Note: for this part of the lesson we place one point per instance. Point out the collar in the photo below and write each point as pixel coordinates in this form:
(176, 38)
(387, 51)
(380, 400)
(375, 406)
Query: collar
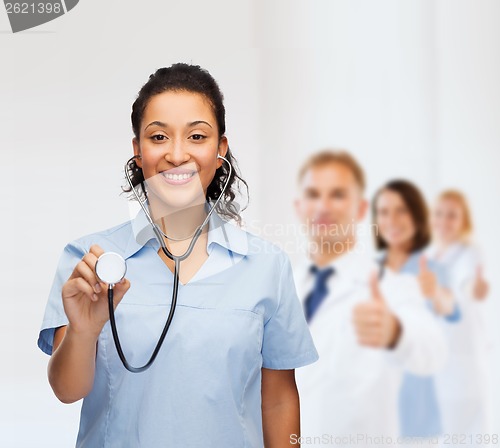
(410, 265)
(354, 266)
(351, 272)
(220, 232)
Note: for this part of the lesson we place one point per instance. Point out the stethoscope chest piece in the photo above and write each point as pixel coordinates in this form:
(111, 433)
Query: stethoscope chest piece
(110, 268)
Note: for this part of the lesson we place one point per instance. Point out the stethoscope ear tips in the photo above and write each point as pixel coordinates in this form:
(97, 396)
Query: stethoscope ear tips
(110, 268)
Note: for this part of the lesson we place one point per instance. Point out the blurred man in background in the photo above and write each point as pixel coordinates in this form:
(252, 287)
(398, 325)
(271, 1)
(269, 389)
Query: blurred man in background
(368, 328)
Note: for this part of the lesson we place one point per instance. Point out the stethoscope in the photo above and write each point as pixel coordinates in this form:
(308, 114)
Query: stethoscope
(111, 269)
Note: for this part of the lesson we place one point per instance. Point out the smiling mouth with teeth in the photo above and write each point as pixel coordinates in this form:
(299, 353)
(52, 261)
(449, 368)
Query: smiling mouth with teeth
(178, 176)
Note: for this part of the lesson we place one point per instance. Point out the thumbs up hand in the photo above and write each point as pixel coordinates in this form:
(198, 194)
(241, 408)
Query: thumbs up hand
(374, 323)
(427, 280)
(480, 287)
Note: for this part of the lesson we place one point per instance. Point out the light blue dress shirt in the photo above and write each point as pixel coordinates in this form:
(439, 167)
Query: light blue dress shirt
(239, 313)
(418, 405)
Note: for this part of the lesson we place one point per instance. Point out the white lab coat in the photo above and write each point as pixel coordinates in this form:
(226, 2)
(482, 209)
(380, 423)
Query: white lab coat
(463, 386)
(352, 391)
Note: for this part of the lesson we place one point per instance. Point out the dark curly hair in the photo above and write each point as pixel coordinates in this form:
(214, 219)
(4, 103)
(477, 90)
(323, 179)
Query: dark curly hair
(190, 78)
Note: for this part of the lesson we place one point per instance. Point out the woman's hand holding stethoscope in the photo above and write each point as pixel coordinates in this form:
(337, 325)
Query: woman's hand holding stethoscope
(85, 296)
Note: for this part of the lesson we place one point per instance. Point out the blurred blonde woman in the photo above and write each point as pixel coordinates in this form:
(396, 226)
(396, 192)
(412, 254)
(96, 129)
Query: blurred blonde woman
(463, 386)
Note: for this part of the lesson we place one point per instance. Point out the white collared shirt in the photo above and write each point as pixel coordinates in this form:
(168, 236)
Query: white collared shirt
(353, 390)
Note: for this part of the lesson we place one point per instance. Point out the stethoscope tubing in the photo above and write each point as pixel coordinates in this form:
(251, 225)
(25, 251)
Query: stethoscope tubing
(156, 230)
(175, 290)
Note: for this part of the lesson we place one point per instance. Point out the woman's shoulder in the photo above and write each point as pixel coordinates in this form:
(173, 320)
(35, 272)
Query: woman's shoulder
(114, 239)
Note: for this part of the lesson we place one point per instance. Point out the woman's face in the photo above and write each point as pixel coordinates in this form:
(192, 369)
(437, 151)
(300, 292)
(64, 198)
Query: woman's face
(394, 221)
(179, 143)
(447, 220)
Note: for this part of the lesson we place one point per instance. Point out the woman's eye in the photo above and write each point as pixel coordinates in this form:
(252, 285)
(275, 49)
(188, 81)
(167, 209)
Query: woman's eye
(197, 137)
(159, 137)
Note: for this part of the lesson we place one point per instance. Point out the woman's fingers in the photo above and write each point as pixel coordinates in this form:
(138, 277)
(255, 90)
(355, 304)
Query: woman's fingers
(119, 291)
(86, 269)
(77, 286)
(84, 278)
(96, 250)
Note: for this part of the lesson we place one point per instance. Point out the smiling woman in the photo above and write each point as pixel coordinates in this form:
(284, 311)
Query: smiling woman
(177, 151)
(402, 219)
(207, 98)
(225, 376)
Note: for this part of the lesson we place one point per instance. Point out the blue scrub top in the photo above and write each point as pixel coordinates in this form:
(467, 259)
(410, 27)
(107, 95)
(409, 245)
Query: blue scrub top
(239, 313)
(418, 404)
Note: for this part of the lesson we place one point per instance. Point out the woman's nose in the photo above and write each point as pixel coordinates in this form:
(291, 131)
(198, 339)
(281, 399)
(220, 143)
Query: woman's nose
(176, 154)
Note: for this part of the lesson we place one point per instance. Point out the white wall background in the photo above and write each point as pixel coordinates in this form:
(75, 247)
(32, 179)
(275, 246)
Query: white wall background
(411, 88)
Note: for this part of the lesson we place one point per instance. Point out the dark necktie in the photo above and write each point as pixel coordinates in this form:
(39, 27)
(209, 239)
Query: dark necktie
(319, 292)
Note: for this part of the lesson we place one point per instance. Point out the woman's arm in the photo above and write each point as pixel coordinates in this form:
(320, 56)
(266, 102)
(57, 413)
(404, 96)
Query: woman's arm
(280, 408)
(72, 364)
